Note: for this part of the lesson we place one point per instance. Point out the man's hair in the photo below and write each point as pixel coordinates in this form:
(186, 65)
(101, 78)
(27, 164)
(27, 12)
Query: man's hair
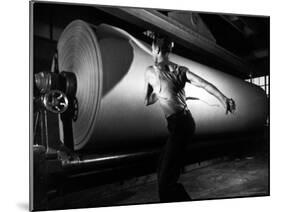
(163, 43)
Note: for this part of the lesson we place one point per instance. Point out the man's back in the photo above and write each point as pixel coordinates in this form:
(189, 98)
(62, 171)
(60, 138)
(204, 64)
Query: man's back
(168, 82)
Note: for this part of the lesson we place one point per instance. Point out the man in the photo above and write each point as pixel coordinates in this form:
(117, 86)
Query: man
(165, 82)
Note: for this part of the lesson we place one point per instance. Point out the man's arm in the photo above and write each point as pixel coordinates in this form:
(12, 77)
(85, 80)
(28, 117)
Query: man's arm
(150, 96)
(194, 79)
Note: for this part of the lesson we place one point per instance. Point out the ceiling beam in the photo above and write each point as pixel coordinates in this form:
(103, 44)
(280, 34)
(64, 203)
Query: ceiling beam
(154, 20)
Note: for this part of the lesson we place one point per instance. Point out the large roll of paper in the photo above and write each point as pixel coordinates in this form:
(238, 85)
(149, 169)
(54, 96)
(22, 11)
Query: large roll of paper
(110, 65)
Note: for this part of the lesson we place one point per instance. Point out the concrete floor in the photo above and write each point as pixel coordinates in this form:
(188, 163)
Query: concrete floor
(241, 176)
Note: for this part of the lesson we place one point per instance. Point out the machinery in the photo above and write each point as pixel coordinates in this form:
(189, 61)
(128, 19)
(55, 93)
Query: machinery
(89, 114)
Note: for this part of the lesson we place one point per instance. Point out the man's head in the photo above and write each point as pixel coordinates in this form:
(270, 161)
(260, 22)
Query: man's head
(161, 45)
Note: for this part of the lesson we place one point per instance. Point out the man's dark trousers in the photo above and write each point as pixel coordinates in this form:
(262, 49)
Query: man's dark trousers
(181, 127)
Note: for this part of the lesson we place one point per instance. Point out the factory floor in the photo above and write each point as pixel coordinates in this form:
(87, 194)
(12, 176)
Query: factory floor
(238, 176)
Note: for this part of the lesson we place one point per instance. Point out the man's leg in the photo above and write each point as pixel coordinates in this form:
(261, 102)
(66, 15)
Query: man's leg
(169, 169)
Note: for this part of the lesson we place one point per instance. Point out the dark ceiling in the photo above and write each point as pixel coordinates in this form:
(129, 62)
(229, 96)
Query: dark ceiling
(245, 36)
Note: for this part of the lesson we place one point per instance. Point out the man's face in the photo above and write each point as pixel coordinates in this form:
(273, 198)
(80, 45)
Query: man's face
(157, 47)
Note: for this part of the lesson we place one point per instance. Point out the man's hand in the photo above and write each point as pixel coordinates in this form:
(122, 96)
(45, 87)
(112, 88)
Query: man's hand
(230, 106)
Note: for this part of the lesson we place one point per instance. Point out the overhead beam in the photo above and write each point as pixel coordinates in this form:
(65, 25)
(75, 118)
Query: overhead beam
(154, 20)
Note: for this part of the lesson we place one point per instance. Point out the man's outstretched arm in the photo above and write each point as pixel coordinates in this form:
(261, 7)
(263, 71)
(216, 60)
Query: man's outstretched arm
(194, 79)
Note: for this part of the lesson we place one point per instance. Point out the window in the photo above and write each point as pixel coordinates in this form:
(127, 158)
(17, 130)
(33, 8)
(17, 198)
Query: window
(262, 82)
